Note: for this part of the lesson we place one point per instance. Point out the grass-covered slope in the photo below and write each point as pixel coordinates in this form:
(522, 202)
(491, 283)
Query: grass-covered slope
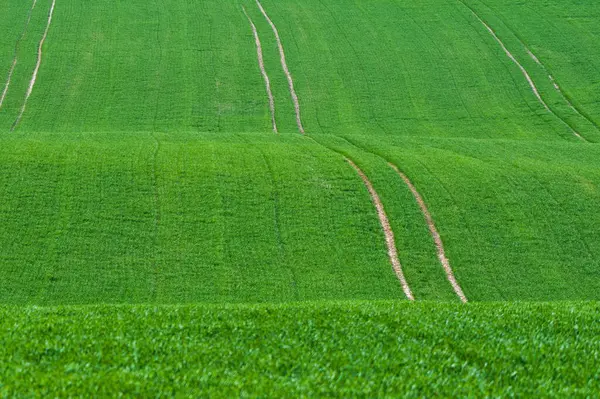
(519, 219)
(179, 218)
(380, 349)
(97, 218)
(563, 37)
(190, 197)
(425, 68)
(142, 65)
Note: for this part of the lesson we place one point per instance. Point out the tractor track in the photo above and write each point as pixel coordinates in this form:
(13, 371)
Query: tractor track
(528, 77)
(14, 61)
(285, 68)
(387, 229)
(37, 67)
(439, 245)
(263, 71)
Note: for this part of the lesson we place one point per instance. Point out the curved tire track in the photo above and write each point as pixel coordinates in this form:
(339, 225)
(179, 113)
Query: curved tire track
(523, 71)
(14, 61)
(263, 71)
(557, 86)
(285, 68)
(387, 229)
(441, 253)
(37, 67)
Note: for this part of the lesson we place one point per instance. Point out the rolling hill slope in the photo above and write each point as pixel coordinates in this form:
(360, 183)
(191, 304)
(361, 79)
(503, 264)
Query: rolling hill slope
(168, 165)
(376, 83)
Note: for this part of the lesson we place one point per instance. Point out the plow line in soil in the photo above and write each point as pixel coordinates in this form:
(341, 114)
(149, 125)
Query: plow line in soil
(37, 67)
(439, 245)
(263, 71)
(14, 61)
(387, 229)
(285, 68)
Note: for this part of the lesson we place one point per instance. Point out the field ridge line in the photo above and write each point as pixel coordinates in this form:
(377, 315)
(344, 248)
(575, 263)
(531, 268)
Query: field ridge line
(14, 61)
(37, 67)
(523, 70)
(285, 68)
(437, 239)
(387, 229)
(263, 71)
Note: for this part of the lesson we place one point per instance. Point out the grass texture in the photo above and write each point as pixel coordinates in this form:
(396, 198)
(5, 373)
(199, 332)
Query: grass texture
(383, 349)
(177, 247)
(185, 219)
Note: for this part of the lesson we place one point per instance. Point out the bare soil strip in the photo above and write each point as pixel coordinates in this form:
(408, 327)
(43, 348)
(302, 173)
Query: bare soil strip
(285, 68)
(524, 71)
(387, 229)
(261, 64)
(441, 253)
(37, 66)
(14, 61)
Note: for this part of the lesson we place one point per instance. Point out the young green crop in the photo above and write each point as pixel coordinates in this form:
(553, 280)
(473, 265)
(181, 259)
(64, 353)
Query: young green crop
(562, 38)
(518, 219)
(185, 218)
(377, 349)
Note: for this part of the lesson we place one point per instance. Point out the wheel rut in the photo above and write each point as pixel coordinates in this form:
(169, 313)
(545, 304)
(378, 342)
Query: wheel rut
(387, 230)
(37, 67)
(528, 77)
(263, 71)
(285, 68)
(15, 56)
(437, 239)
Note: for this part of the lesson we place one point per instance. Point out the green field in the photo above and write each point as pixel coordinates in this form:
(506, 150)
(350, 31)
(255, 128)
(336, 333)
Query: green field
(360, 349)
(139, 168)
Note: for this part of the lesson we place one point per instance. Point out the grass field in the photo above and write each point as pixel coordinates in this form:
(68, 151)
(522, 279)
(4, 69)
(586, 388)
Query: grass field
(383, 349)
(139, 169)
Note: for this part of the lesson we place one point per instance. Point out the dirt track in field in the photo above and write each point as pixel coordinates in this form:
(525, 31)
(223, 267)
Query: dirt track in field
(37, 67)
(556, 85)
(285, 68)
(513, 59)
(14, 61)
(524, 71)
(441, 253)
(387, 229)
(263, 71)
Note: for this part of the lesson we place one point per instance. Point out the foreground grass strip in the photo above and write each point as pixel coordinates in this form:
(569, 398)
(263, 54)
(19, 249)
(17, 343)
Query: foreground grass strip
(285, 68)
(441, 253)
(342, 349)
(14, 61)
(387, 230)
(263, 71)
(37, 67)
(523, 70)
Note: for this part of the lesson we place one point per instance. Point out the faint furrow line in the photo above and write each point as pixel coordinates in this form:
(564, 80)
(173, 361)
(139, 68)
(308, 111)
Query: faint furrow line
(263, 71)
(285, 68)
(387, 229)
(14, 61)
(523, 70)
(434, 233)
(276, 214)
(156, 202)
(37, 67)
